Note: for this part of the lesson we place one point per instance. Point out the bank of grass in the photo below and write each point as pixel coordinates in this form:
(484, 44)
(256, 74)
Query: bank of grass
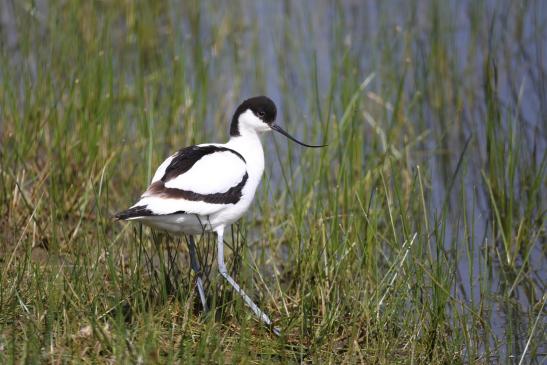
(415, 237)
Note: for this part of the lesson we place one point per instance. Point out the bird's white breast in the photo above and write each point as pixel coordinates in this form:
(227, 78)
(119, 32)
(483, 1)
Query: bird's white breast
(250, 147)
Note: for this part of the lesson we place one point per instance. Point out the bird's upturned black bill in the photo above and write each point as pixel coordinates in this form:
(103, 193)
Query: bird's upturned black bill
(277, 128)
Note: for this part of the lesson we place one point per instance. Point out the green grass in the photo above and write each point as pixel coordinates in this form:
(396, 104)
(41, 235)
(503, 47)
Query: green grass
(417, 236)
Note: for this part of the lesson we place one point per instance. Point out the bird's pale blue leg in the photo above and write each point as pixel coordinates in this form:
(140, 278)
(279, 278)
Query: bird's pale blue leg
(222, 268)
(195, 266)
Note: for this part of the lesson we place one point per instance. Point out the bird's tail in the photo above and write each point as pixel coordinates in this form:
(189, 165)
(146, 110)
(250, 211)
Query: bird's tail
(133, 212)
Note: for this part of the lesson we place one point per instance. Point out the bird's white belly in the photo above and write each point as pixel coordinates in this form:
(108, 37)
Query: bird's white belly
(196, 224)
(177, 223)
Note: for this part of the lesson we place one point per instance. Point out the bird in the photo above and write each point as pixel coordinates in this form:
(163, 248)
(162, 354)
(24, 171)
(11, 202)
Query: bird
(207, 187)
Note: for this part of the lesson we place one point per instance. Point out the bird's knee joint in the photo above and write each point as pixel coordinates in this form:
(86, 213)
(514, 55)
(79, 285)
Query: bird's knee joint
(223, 271)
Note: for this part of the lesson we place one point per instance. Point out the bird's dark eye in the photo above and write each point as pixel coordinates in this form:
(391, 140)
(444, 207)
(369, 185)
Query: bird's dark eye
(261, 113)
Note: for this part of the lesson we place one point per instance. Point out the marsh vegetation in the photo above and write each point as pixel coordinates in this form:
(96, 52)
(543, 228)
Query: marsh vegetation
(417, 236)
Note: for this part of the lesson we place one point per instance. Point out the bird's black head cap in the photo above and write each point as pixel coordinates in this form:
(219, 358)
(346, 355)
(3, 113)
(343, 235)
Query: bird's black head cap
(262, 106)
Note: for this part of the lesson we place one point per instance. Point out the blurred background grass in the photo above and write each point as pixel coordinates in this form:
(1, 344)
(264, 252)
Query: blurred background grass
(417, 236)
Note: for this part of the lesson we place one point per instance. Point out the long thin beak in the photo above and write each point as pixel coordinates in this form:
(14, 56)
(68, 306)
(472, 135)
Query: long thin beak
(277, 128)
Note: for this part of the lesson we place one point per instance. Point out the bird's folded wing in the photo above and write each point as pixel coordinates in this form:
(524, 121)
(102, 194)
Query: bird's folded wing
(196, 180)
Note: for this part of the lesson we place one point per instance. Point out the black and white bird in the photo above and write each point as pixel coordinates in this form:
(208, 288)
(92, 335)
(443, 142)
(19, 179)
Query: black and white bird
(209, 186)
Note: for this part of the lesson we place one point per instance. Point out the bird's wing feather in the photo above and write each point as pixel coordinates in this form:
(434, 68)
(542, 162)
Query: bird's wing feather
(196, 180)
(213, 173)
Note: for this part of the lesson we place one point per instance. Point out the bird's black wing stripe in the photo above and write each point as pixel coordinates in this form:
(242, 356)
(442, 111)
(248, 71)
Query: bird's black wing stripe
(232, 196)
(187, 157)
(139, 211)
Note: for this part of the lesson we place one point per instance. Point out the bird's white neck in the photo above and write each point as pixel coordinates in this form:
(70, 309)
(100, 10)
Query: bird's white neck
(248, 144)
